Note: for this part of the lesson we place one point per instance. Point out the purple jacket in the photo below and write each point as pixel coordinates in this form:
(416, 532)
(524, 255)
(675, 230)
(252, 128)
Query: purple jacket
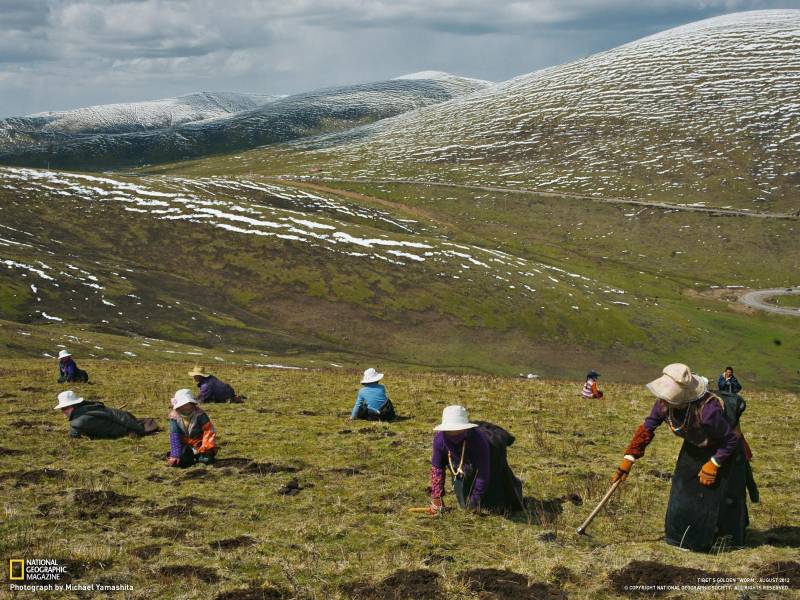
(214, 390)
(704, 426)
(66, 368)
(477, 455)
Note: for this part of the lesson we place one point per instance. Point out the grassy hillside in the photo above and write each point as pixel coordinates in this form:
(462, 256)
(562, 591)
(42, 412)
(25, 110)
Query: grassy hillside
(116, 514)
(397, 274)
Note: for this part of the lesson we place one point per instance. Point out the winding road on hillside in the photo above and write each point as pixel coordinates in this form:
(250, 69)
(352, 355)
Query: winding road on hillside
(732, 212)
(756, 299)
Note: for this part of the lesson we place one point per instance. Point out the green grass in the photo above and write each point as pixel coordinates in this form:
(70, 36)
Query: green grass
(199, 286)
(342, 528)
(787, 301)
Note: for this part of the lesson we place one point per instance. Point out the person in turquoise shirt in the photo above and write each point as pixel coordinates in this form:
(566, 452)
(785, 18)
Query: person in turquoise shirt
(372, 403)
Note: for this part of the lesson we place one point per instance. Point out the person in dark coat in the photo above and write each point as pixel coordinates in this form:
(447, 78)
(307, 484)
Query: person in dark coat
(212, 389)
(727, 382)
(707, 502)
(68, 371)
(475, 455)
(96, 421)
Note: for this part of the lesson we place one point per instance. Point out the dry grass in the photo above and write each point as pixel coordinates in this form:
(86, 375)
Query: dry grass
(347, 527)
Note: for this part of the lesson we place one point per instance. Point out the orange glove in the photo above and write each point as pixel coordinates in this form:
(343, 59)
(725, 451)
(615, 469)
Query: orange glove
(436, 508)
(708, 474)
(622, 470)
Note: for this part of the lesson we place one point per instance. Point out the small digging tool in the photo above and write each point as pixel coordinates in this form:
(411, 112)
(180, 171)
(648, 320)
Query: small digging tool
(582, 529)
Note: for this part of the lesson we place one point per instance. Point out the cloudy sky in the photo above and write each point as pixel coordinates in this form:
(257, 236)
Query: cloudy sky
(60, 54)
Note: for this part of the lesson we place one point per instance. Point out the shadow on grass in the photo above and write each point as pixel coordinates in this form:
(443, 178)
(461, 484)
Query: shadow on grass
(785, 536)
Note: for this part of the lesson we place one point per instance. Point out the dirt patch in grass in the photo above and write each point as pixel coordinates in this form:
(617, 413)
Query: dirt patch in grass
(9, 452)
(172, 533)
(267, 468)
(234, 461)
(197, 501)
(155, 478)
(308, 413)
(147, 552)
(348, 471)
(255, 593)
(25, 424)
(663, 475)
(401, 585)
(178, 571)
(195, 474)
(33, 476)
(500, 584)
(647, 573)
(236, 542)
(99, 499)
(345, 431)
(783, 570)
(545, 512)
(30, 388)
(175, 511)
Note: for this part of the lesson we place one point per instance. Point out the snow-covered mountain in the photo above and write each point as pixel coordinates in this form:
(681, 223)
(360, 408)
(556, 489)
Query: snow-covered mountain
(710, 110)
(278, 120)
(137, 116)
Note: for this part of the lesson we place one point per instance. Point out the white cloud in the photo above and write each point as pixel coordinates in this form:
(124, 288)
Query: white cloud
(66, 53)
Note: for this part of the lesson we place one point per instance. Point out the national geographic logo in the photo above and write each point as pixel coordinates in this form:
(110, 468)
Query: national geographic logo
(35, 569)
(16, 569)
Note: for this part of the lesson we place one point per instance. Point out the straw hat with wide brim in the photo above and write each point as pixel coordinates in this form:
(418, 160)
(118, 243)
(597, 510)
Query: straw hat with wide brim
(371, 376)
(198, 371)
(454, 418)
(63, 354)
(182, 397)
(677, 385)
(68, 398)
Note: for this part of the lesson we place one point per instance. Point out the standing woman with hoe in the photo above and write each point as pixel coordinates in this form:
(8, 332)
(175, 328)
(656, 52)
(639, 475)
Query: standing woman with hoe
(707, 501)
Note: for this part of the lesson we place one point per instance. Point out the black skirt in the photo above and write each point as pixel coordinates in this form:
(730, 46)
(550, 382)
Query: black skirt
(698, 515)
(504, 491)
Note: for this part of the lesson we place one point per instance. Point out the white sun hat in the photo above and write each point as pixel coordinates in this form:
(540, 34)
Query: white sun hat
(63, 354)
(371, 376)
(68, 398)
(678, 386)
(454, 418)
(182, 397)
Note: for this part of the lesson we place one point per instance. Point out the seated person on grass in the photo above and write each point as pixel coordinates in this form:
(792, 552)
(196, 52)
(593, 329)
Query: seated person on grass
(192, 437)
(211, 388)
(590, 386)
(68, 371)
(372, 403)
(96, 421)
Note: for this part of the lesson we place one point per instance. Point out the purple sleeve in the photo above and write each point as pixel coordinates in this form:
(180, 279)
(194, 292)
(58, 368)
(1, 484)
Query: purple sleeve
(439, 455)
(69, 370)
(175, 443)
(480, 455)
(720, 431)
(655, 418)
(204, 392)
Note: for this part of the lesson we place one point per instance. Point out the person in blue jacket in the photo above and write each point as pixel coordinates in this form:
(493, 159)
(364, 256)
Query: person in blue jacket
(372, 403)
(727, 382)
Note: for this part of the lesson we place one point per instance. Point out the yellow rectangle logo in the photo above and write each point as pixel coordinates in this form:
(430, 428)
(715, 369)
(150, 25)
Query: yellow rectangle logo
(16, 569)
